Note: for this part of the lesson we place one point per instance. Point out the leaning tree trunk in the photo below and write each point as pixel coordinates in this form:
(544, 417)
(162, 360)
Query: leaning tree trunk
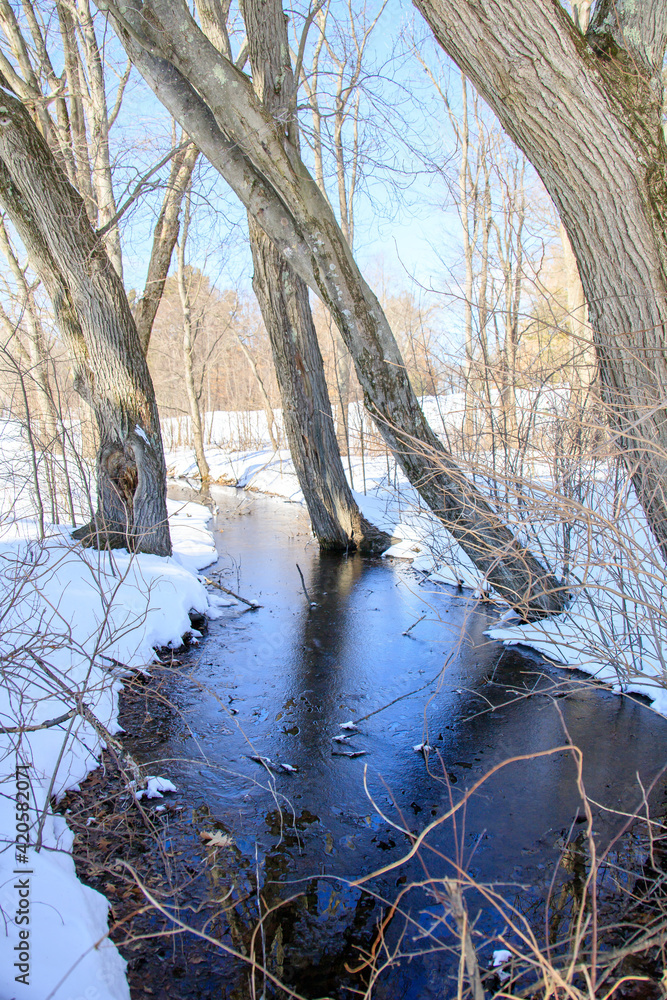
(586, 109)
(307, 418)
(215, 104)
(337, 522)
(93, 314)
(165, 236)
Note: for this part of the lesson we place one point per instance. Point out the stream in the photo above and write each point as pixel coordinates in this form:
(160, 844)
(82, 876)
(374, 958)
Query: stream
(277, 683)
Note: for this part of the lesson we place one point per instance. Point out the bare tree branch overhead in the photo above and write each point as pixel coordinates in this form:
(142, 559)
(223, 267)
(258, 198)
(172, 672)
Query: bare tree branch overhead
(216, 105)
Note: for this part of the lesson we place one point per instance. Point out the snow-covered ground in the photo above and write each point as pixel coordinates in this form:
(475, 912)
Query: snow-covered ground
(238, 430)
(234, 430)
(69, 617)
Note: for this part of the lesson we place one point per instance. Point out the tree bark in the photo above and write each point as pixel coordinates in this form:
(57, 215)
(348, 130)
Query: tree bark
(337, 522)
(94, 316)
(99, 126)
(214, 102)
(188, 348)
(164, 241)
(586, 111)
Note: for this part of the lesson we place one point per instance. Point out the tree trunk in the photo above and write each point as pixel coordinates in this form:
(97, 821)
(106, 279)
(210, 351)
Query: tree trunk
(239, 137)
(586, 111)
(94, 316)
(337, 522)
(164, 241)
(307, 418)
(95, 101)
(188, 347)
(342, 363)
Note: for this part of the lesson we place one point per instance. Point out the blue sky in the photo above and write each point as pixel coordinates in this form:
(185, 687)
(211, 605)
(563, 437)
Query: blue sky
(406, 224)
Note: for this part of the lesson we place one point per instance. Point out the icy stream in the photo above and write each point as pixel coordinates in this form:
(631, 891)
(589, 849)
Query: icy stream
(277, 683)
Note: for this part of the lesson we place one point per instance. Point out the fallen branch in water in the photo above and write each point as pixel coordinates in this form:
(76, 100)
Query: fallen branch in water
(408, 630)
(407, 693)
(213, 583)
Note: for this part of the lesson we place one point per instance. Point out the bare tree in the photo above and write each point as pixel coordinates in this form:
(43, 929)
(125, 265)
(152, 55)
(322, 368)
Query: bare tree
(588, 115)
(79, 131)
(216, 105)
(165, 236)
(94, 317)
(283, 298)
(338, 55)
(75, 118)
(188, 345)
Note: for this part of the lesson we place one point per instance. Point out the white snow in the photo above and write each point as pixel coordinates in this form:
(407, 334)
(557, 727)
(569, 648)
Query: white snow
(68, 615)
(501, 956)
(156, 787)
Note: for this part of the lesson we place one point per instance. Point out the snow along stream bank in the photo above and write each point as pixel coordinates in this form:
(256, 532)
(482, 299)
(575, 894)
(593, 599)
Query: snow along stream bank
(73, 621)
(616, 625)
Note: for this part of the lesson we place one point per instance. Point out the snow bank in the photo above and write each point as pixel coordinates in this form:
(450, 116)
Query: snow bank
(68, 615)
(616, 624)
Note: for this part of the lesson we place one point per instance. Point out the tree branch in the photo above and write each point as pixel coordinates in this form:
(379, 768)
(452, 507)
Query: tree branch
(48, 724)
(139, 189)
(635, 27)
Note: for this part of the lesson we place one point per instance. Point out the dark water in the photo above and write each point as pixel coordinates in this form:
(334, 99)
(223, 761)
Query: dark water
(278, 682)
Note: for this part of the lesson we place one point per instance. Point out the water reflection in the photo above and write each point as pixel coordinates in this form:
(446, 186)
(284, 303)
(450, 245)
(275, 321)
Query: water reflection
(276, 685)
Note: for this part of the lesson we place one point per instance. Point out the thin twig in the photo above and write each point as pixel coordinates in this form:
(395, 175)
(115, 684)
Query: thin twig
(408, 630)
(139, 189)
(48, 724)
(407, 693)
(213, 583)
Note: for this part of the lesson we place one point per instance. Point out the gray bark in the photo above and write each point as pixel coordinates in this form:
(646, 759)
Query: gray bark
(164, 241)
(337, 522)
(283, 298)
(94, 316)
(215, 104)
(586, 111)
